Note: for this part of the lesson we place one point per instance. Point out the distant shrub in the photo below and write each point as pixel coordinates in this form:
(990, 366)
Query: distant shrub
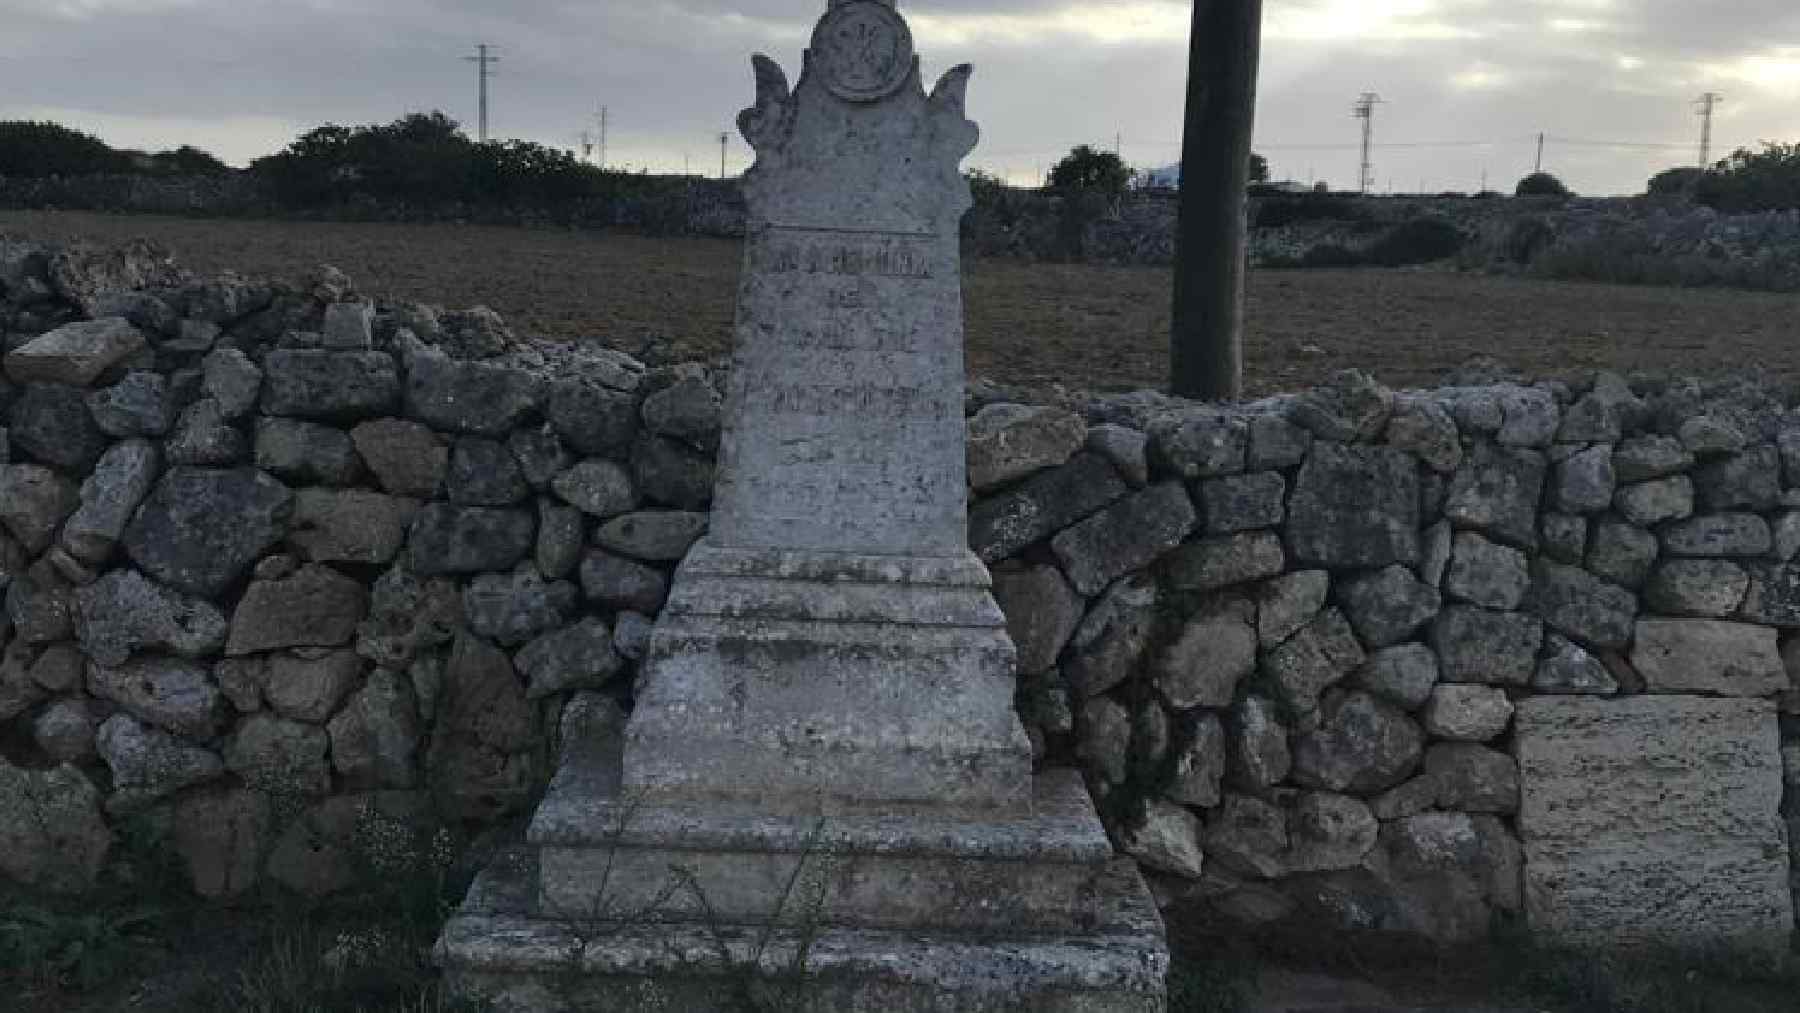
(1525, 239)
(1417, 241)
(1766, 180)
(1541, 184)
(1279, 211)
(1086, 168)
(36, 150)
(1674, 182)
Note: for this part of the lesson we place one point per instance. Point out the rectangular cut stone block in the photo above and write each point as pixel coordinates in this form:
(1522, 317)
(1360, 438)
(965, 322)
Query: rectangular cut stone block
(1654, 821)
(74, 354)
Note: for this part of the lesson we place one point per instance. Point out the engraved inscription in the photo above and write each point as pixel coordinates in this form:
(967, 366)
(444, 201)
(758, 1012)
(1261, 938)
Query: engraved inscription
(874, 256)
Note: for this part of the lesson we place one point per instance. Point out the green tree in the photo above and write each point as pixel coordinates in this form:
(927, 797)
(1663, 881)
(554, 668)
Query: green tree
(1542, 184)
(1766, 180)
(1259, 168)
(188, 160)
(1674, 182)
(1085, 168)
(35, 150)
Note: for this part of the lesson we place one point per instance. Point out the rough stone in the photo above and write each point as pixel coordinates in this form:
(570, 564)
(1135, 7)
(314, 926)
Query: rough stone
(1041, 611)
(1213, 563)
(540, 454)
(316, 384)
(75, 354)
(1214, 651)
(622, 583)
(657, 536)
(1467, 713)
(1747, 481)
(232, 381)
(306, 453)
(1424, 428)
(1692, 856)
(138, 405)
(449, 539)
(476, 398)
(1242, 502)
(671, 473)
(1479, 646)
(1496, 491)
(1739, 534)
(1127, 450)
(1003, 524)
(201, 530)
(484, 472)
(124, 613)
(1487, 574)
(1363, 745)
(1104, 730)
(41, 606)
(52, 835)
(204, 437)
(1774, 596)
(1313, 659)
(1585, 482)
(561, 536)
(148, 764)
(1199, 443)
(34, 502)
(406, 457)
(1707, 588)
(577, 657)
(1008, 442)
(121, 480)
(1113, 637)
(51, 424)
(350, 525)
(1354, 506)
(315, 607)
(1435, 547)
(1388, 606)
(598, 488)
(1708, 435)
(1568, 670)
(1276, 443)
(65, 731)
(1351, 406)
(1564, 537)
(691, 410)
(1706, 656)
(349, 326)
(1199, 766)
(1167, 840)
(1327, 832)
(1403, 675)
(1125, 536)
(1643, 458)
(280, 756)
(308, 685)
(375, 737)
(1531, 417)
(1580, 605)
(513, 608)
(1602, 414)
(594, 419)
(1623, 554)
(1248, 836)
(1259, 756)
(1287, 603)
(1651, 503)
(171, 693)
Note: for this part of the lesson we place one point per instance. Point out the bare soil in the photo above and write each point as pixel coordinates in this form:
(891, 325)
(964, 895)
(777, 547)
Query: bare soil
(1094, 328)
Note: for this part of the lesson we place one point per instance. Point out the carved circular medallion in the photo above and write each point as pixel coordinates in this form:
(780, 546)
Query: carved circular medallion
(864, 50)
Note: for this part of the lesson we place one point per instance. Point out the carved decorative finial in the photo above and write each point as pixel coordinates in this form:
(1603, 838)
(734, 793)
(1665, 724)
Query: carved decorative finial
(864, 50)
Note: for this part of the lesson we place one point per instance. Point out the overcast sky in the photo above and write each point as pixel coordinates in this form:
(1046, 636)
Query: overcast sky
(1467, 84)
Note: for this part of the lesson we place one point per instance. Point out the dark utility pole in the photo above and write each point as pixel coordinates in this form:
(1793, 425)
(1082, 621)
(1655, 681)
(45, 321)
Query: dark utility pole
(1206, 348)
(483, 61)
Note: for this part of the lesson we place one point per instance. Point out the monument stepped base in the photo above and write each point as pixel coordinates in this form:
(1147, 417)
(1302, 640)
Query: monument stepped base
(847, 911)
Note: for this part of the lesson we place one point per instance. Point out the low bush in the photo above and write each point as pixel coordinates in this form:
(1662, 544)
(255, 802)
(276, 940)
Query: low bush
(1417, 241)
(1314, 207)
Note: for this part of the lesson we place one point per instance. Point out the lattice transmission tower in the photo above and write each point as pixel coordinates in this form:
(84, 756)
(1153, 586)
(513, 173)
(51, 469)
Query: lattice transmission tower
(1365, 110)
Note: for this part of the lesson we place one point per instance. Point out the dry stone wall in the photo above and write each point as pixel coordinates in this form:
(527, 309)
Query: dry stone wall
(276, 556)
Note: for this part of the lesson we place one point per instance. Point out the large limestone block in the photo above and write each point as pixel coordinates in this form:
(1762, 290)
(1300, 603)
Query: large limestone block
(1704, 656)
(1653, 821)
(74, 354)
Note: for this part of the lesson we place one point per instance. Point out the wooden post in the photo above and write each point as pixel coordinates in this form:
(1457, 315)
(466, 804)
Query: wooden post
(1206, 346)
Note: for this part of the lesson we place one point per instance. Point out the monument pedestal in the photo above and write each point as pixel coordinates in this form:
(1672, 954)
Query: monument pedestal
(850, 910)
(823, 799)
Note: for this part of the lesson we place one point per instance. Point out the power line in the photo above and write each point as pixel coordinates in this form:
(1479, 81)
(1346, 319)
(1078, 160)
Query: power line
(1365, 110)
(482, 60)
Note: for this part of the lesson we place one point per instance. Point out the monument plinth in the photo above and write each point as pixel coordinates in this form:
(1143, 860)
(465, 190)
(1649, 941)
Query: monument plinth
(827, 697)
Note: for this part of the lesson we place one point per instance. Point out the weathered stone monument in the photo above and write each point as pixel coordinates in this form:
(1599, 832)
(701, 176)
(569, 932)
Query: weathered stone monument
(824, 788)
